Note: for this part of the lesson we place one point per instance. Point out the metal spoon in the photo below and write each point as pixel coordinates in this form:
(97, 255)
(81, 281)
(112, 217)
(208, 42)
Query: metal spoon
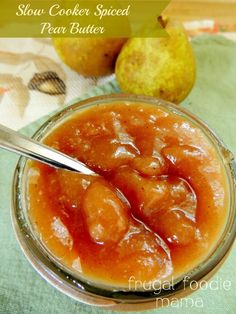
(20, 144)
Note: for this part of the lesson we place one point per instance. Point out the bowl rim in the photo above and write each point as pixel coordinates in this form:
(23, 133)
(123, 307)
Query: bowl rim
(78, 290)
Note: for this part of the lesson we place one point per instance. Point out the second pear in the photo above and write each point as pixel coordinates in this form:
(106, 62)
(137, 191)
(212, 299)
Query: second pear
(160, 67)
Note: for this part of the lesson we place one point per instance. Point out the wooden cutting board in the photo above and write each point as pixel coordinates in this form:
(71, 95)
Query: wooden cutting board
(187, 10)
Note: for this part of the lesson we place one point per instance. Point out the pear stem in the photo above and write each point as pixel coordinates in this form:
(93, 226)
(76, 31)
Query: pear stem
(162, 21)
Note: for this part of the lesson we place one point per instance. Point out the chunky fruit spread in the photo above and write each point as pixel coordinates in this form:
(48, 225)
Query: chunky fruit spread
(155, 210)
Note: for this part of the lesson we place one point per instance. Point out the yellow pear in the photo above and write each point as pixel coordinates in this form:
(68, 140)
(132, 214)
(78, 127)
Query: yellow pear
(161, 67)
(89, 56)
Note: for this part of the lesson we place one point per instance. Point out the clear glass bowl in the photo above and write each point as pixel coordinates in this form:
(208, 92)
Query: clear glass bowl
(116, 299)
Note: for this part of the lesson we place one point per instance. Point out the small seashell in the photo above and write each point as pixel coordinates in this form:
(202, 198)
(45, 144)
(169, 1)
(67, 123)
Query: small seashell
(47, 82)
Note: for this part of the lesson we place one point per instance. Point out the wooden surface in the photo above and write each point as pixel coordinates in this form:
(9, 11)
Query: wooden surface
(187, 10)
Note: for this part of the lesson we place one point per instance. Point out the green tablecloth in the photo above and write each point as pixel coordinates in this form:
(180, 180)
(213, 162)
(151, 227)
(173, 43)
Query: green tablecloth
(213, 99)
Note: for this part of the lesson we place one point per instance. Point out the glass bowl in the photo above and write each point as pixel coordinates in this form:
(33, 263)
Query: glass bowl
(117, 299)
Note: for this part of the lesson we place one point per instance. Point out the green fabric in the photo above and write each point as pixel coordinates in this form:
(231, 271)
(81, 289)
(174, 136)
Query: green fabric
(213, 99)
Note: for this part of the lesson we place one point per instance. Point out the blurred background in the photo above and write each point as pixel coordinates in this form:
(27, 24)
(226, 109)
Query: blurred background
(21, 59)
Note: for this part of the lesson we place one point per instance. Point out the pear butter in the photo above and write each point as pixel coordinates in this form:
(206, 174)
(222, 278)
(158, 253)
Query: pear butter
(169, 215)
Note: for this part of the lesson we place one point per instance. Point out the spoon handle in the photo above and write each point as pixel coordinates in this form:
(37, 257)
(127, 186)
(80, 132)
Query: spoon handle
(20, 144)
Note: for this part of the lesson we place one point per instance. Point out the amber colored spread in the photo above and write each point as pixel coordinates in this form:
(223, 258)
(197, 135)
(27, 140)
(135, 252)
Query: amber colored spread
(156, 210)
